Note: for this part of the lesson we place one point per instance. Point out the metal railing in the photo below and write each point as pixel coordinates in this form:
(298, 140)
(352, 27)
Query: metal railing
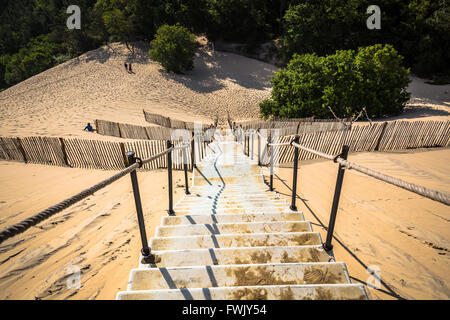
(341, 159)
(133, 164)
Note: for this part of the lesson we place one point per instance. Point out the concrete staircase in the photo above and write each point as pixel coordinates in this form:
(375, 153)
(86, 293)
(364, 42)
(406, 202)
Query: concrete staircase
(232, 239)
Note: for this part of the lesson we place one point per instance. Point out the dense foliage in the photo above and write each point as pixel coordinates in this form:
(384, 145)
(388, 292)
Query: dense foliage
(373, 77)
(418, 29)
(174, 47)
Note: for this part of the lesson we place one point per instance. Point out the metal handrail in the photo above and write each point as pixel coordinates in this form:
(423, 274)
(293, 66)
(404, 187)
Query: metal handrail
(341, 159)
(133, 164)
(421, 190)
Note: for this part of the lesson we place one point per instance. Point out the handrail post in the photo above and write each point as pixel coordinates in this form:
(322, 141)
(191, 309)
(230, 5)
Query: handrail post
(259, 147)
(248, 144)
(251, 153)
(193, 151)
(169, 170)
(294, 175)
(271, 163)
(185, 171)
(337, 193)
(137, 201)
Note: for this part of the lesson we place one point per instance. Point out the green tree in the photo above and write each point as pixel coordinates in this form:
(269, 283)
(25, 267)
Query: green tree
(174, 47)
(4, 59)
(36, 57)
(373, 77)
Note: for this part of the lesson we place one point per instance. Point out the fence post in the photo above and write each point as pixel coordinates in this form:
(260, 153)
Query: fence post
(294, 175)
(125, 158)
(64, 152)
(169, 170)
(259, 147)
(137, 201)
(185, 171)
(337, 193)
(271, 162)
(193, 151)
(377, 146)
(21, 149)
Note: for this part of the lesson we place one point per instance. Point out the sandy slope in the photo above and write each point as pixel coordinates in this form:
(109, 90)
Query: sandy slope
(59, 101)
(99, 234)
(405, 235)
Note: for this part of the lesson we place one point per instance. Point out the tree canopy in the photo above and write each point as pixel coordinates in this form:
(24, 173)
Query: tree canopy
(418, 29)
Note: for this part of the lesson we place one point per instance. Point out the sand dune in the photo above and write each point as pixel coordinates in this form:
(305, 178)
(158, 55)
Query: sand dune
(61, 100)
(99, 235)
(404, 234)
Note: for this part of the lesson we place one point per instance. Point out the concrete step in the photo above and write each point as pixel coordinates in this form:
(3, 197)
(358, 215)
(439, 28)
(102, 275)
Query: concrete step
(236, 240)
(277, 292)
(232, 205)
(249, 197)
(212, 211)
(243, 255)
(238, 275)
(237, 195)
(229, 218)
(244, 191)
(233, 228)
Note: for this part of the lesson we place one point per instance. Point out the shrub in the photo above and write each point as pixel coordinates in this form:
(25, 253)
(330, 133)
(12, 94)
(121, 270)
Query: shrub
(174, 47)
(35, 58)
(345, 81)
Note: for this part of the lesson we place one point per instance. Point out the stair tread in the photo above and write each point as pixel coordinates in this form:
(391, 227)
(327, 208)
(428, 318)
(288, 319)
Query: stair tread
(236, 240)
(224, 218)
(238, 275)
(239, 255)
(234, 228)
(275, 292)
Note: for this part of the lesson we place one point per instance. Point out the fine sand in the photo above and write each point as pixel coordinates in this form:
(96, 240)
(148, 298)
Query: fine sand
(61, 100)
(403, 234)
(406, 236)
(99, 235)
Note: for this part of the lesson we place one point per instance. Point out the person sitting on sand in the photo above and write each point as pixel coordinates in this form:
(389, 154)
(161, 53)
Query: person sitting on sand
(89, 128)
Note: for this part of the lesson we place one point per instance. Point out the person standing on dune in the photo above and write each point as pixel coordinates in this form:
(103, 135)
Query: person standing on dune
(129, 68)
(126, 67)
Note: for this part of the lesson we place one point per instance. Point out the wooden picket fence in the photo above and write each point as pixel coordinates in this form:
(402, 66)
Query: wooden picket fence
(173, 123)
(94, 154)
(297, 125)
(387, 136)
(131, 131)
